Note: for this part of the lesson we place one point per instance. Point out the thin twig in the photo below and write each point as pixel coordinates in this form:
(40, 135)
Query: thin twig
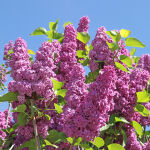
(7, 120)
(12, 147)
(37, 141)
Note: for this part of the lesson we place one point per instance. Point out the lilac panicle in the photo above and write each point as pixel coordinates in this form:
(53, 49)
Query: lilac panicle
(92, 114)
(7, 48)
(3, 75)
(125, 94)
(144, 62)
(3, 123)
(101, 51)
(132, 142)
(83, 26)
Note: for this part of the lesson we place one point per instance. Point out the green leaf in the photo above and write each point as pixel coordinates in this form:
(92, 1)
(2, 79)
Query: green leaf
(13, 128)
(61, 100)
(62, 92)
(31, 52)
(56, 137)
(22, 119)
(134, 42)
(10, 96)
(86, 146)
(84, 62)
(115, 146)
(58, 108)
(107, 126)
(92, 76)
(91, 47)
(142, 110)
(83, 37)
(126, 60)
(53, 25)
(66, 23)
(88, 48)
(125, 33)
(137, 127)
(132, 52)
(78, 141)
(98, 142)
(61, 39)
(20, 108)
(10, 51)
(29, 144)
(142, 96)
(124, 138)
(48, 117)
(56, 84)
(114, 35)
(121, 119)
(57, 35)
(136, 60)
(39, 31)
(70, 140)
(112, 46)
(120, 66)
(50, 34)
(81, 54)
(50, 144)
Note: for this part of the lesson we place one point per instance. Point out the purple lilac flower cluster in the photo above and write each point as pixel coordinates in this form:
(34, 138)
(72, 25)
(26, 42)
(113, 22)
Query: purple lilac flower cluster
(19, 63)
(8, 47)
(126, 87)
(101, 51)
(3, 75)
(35, 78)
(144, 62)
(44, 68)
(92, 114)
(132, 142)
(74, 79)
(83, 26)
(85, 112)
(3, 123)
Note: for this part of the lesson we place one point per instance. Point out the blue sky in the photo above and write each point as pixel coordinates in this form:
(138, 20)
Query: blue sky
(18, 18)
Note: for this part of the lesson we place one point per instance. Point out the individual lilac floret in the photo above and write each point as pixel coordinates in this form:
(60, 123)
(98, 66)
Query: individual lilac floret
(83, 26)
(144, 62)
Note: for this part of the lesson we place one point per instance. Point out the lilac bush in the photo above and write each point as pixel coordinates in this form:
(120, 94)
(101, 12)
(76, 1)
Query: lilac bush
(55, 106)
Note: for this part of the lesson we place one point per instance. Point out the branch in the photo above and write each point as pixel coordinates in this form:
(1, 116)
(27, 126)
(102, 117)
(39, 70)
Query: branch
(8, 115)
(37, 141)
